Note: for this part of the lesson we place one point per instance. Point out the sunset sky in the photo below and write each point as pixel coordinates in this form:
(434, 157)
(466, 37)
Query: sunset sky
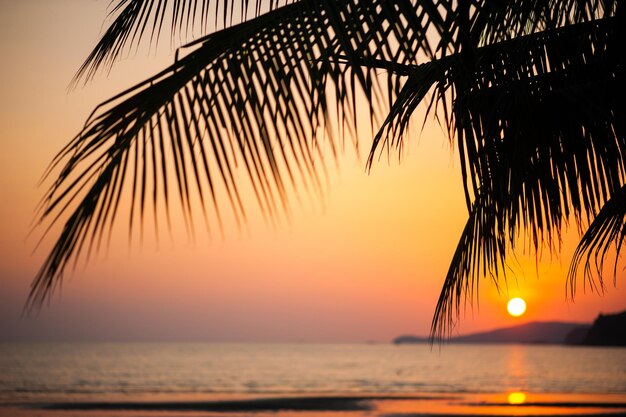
(368, 265)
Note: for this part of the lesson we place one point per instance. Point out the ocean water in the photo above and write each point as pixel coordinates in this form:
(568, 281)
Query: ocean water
(32, 373)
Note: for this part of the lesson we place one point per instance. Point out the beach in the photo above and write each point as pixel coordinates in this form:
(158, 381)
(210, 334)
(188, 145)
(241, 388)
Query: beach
(337, 406)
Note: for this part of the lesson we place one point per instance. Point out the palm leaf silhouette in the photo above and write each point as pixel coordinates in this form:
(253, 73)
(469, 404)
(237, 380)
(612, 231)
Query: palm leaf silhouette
(530, 92)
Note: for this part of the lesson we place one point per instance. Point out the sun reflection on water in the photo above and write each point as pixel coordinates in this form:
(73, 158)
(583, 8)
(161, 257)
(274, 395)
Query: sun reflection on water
(516, 398)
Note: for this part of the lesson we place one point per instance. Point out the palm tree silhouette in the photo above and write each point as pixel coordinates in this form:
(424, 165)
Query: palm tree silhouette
(530, 92)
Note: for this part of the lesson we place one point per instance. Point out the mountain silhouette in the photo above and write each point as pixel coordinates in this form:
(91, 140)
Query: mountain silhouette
(529, 333)
(606, 330)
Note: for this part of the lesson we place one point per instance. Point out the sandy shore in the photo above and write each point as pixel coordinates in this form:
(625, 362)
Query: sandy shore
(506, 404)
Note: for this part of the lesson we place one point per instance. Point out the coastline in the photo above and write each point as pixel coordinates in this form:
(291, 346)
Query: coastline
(366, 405)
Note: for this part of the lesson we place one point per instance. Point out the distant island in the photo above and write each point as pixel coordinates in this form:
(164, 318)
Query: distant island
(606, 330)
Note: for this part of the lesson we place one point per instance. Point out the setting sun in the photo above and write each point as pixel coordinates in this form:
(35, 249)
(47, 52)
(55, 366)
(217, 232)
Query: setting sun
(516, 306)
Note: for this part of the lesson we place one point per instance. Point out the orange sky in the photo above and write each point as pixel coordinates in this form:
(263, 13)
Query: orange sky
(368, 266)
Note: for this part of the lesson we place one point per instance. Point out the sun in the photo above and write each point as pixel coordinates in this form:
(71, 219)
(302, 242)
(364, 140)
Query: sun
(516, 306)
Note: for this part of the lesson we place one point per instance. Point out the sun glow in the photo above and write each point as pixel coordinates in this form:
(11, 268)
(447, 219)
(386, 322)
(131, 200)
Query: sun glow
(516, 306)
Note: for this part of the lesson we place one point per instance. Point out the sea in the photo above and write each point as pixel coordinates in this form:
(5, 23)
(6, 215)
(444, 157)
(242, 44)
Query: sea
(57, 379)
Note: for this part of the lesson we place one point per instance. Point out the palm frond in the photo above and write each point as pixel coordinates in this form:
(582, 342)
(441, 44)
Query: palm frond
(419, 83)
(481, 251)
(494, 21)
(608, 230)
(252, 98)
(491, 20)
(541, 137)
(134, 20)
